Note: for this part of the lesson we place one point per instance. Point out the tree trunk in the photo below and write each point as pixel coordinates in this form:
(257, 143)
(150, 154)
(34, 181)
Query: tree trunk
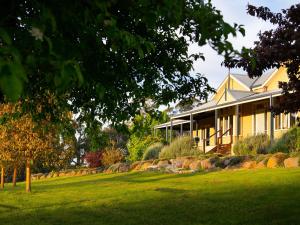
(2, 177)
(28, 177)
(15, 177)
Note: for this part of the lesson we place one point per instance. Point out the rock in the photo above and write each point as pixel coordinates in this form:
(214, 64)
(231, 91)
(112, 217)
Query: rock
(38, 175)
(118, 168)
(163, 163)
(72, 173)
(292, 162)
(93, 171)
(136, 165)
(153, 168)
(276, 160)
(146, 165)
(261, 164)
(186, 163)
(207, 164)
(122, 167)
(196, 165)
(249, 164)
(84, 172)
(44, 176)
(62, 174)
(177, 163)
(55, 174)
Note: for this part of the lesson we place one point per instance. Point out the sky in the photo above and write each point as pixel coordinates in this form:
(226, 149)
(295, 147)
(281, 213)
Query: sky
(234, 11)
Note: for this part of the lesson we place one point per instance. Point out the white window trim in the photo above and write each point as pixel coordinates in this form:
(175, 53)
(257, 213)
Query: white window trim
(281, 122)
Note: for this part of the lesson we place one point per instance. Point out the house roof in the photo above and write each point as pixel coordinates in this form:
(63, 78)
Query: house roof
(245, 79)
(249, 98)
(236, 94)
(174, 122)
(263, 78)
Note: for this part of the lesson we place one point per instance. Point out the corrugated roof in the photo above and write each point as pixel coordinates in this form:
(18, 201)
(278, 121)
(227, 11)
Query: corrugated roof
(240, 94)
(175, 122)
(262, 79)
(241, 100)
(245, 79)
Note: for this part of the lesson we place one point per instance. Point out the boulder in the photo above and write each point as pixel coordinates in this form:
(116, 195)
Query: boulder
(146, 165)
(186, 163)
(93, 171)
(123, 167)
(261, 164)
(163, 163)
(55, 174)
(196, 165)
(249, 164)
(62, 174)
(177, 163)
(84, 172)
(276, 160)
(153, 168)
(44, 176)
(208, 163)
(292, 162)
(118, 168)
(136, 165)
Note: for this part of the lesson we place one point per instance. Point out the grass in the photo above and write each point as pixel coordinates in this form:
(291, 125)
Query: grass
(267, 196)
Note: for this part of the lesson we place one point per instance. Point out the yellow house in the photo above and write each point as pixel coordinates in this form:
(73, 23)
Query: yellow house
(239, 108)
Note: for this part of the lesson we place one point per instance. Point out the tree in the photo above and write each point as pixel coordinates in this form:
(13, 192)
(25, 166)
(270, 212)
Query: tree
(276, 47)
(141, 133)
(23, 142)
(103, 59)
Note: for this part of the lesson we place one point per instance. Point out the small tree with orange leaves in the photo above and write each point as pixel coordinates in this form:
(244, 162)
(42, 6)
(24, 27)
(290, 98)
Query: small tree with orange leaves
(23, 141)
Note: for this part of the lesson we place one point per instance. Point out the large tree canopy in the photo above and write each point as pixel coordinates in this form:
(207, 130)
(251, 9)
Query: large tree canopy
(105, 58)
(276, 47)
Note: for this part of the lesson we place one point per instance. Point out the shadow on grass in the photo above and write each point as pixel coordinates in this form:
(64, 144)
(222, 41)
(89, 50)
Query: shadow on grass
(259, 205)
(133, 177)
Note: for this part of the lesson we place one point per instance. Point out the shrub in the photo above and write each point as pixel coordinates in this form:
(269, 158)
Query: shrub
(181, 146)
(137, 146)
(152, 152)
(288, 143)
(257, 144)
(111, 156)
(93, 159)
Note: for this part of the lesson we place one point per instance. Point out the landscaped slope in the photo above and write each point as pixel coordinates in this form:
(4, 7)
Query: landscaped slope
(267, 196)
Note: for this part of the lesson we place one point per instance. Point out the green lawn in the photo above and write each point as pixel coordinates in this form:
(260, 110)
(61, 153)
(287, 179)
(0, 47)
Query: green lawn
(268, 196)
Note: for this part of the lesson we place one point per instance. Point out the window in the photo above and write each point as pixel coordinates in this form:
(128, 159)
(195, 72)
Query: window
(221, 124)
(231, 121)
(284, 120)
(226, 125)
(277, 122)
(239, 128)
(293, 119)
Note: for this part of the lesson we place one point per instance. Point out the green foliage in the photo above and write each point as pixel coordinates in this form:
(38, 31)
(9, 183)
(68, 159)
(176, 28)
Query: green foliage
(252, 145)
(138, 145)
(288, 143)
(152, 152)
(141, 49)
(181, 146)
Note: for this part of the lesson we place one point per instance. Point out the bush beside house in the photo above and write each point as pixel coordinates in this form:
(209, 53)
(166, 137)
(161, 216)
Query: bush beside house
(152, 152)
(289, 142)
(181, 146)
(253, 145)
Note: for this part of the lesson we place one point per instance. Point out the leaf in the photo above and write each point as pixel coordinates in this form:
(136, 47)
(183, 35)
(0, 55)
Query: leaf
(5, 37)
(11, 85)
